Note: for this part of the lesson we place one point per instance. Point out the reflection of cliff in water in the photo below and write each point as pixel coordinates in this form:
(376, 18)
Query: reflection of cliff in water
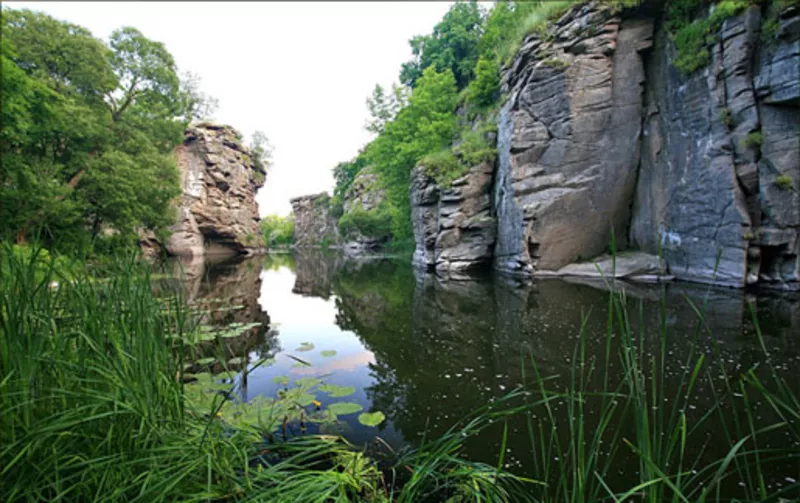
(227, 291)
(444, 349)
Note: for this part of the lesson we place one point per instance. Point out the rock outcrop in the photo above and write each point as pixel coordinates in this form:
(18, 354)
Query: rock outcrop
(217, 211)
(715, 143)
(602, 135)
(454, 228)
(313, 223)
(569, 140)
(364, 194)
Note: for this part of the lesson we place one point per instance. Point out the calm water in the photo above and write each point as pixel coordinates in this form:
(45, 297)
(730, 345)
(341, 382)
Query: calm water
(427, 352)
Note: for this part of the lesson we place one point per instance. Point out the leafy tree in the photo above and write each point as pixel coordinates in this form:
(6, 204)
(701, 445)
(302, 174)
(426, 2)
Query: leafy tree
(453, 46)
(261, 149)
(88, 132)
(383, 108)
(426, 125)
(277, 230)
(200, 106)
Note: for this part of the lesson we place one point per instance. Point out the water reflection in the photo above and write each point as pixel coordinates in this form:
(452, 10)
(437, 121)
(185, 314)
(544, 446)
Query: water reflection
(427, 352)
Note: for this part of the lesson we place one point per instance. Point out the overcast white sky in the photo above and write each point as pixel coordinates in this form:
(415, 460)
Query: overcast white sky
(300, 72)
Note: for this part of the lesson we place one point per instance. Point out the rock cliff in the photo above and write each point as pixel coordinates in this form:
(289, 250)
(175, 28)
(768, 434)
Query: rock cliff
(365, 194)
(601, 134)
(313, 223)
(217, 211)
(454, 229)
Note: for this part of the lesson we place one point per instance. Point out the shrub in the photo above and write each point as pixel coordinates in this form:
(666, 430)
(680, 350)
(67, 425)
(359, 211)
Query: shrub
(376, 223)
(691, 38)
(726, 117)
(449, 164)
(753, 140)
(277, 230)
(784, 182)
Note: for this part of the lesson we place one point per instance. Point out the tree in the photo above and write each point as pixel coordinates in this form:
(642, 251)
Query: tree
(453, 45)
(261, 149)
(199, 105)
(426, 125)
(383, 108)
(88, 132)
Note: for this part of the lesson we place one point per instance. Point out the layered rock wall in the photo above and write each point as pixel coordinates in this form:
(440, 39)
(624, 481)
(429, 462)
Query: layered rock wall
(217, 211)
(364, 194)
(454, 228)
(313, 223)
(602, 135)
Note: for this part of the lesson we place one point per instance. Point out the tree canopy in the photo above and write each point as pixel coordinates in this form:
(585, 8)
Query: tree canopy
(88, 132)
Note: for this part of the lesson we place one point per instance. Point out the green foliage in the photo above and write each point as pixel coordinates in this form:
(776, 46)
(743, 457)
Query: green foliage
(426, 125)
(376, 223)
(726, 117)
(452, 46)
(277, 230)
(88, 134)
(752, 140)
(343, 175)
(471, 149)
(261, 149)
(693, 37)
(383, 108)
(784, 182)
(484, 90)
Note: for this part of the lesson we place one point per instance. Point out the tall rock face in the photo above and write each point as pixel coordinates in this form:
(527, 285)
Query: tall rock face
(601, 133)
(454, 228)
(313, 223)
(569, 140)
(720, 161)
(218, 211)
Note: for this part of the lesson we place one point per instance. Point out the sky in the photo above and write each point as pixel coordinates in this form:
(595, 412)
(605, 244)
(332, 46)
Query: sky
(298, 71)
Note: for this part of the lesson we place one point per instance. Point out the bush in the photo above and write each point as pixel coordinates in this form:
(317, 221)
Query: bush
(753, 140)
(692, 38)
(471, 149)
(375, 223)
(277, 230)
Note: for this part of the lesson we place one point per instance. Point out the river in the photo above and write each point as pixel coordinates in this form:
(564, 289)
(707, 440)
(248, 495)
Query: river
(427, 352)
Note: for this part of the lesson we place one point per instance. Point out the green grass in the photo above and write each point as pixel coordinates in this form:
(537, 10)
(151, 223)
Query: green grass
(693, 36)
(94, 407)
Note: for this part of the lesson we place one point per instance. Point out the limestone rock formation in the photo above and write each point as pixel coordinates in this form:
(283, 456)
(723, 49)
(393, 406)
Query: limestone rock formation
(313, 223)
(454, 229)
(217, 211)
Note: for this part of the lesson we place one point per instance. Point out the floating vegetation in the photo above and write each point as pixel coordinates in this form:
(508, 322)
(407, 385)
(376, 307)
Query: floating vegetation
(327, 353)
(306, 346)
(371, 419)
(336, 391)
(344, 408)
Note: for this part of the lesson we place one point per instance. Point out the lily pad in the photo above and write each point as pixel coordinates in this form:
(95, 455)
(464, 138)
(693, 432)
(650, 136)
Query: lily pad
(336, 391)
(282, 380)
(306, 346)
(236, 361)
(344, 408)
(328, 353)
(206, 361)
(371, 418)
(304, 399)
(307, 382)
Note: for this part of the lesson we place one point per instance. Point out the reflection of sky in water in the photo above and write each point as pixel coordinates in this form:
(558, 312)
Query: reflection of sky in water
(300, 319)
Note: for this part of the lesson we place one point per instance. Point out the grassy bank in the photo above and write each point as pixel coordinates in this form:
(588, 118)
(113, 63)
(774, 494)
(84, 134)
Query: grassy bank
(95, 408)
